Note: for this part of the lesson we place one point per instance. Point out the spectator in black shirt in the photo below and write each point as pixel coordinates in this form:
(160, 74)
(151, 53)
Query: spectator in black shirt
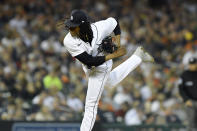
(188, 91)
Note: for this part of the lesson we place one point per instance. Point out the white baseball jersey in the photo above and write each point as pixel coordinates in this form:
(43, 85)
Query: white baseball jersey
(100, 29)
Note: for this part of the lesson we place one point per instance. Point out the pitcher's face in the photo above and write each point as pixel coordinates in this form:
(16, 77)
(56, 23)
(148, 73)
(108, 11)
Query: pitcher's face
(74, 31)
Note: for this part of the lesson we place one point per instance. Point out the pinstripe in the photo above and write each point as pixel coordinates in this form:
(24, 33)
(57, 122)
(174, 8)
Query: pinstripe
(97, 99)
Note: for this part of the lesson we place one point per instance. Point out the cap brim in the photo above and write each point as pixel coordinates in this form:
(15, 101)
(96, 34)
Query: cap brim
(70, 24)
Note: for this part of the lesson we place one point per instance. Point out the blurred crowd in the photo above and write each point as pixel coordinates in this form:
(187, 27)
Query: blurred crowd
(40, 81)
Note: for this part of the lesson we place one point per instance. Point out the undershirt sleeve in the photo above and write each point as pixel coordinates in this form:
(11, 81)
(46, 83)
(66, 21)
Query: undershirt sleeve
(89, 60)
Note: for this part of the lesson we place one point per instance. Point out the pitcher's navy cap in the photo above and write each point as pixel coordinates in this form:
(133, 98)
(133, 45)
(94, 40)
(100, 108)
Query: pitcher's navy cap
(77, 18)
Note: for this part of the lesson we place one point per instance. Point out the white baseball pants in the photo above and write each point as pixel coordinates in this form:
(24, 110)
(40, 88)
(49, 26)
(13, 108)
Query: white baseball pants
(96, 82)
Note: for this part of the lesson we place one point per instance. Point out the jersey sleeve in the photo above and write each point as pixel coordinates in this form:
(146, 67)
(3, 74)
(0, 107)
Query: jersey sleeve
(74, 48)
(106, 27)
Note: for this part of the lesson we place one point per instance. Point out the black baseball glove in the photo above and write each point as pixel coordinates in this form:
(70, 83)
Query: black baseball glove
(107, 45)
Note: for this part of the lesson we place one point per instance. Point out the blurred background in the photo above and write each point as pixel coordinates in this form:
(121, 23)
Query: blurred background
(40, 81)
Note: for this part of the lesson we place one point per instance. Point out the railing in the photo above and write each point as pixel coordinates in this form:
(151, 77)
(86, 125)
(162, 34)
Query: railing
(152, 127)
(75, 126)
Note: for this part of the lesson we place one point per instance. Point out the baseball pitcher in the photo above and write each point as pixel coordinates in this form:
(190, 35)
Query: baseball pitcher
(91, 44)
